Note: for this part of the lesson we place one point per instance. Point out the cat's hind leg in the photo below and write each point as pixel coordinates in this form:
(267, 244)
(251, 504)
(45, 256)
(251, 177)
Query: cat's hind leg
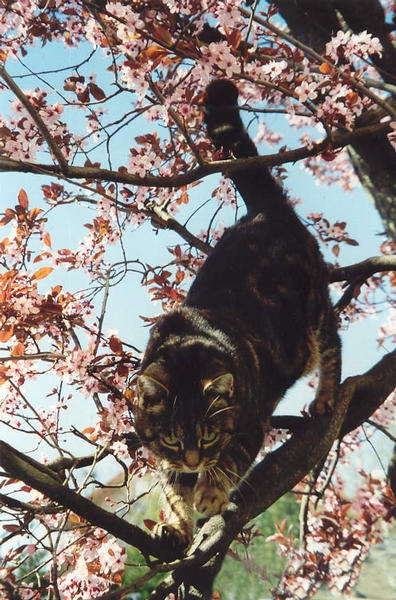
(329, 368)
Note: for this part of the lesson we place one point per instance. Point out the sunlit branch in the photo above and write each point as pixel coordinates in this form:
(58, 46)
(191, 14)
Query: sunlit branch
(284, 467)
(62, 463)
(339, 140)
(370, 390)
(364, 269)
(46, 356)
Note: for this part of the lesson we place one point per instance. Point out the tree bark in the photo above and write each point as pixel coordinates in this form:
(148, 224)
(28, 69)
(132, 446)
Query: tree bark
(314, 23)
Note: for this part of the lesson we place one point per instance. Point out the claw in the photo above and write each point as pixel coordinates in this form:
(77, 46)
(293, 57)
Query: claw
(175, 536)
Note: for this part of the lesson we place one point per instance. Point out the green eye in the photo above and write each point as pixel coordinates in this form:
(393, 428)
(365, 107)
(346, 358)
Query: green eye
(170, 440)
(210, 437)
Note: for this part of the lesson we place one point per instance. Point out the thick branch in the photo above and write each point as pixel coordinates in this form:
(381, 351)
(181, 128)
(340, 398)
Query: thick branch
(369, 391)
(281, 470)
(47, 482)
(339, 140)
(314, 24)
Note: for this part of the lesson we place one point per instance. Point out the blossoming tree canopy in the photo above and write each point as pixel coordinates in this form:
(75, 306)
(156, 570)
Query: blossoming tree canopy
(107, 202)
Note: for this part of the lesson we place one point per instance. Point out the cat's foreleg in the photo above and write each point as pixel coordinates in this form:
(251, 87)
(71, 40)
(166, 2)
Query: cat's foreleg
(211, 495)
(178, 490)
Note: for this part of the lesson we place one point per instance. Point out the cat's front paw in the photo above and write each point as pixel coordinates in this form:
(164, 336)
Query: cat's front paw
(210, 500)
(177, 536)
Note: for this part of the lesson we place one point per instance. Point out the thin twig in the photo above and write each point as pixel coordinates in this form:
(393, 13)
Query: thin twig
(321, 59)
(36, 118)
(382, 429)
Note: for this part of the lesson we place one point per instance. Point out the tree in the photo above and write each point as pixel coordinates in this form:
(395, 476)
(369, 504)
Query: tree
(143, 66)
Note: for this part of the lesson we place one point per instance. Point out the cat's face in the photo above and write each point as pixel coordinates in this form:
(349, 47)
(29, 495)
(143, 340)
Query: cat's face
(186, 425)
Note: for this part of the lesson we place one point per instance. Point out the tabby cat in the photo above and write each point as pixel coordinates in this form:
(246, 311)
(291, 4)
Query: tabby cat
(256, 318)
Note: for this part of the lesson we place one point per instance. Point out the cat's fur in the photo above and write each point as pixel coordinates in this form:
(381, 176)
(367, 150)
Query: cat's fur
(256, 318)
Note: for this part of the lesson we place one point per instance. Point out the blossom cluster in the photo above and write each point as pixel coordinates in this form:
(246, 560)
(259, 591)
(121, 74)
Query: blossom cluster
(93, 564)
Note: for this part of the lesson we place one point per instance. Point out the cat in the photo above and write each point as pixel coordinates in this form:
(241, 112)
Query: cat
(256, 318)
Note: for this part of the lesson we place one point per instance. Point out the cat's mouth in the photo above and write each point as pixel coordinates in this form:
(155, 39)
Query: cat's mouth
(188, 469)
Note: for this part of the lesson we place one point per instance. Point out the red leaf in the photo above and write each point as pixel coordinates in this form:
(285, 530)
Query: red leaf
(115, 344)
(154, 54)
(326, 69)
(18, 350)
(234, 38)
(6, 332)
(83, 96)
(88, 430)
(23, 199)
(96, 91)
(122, 370)
(179, 277)
(162, 34)
(11, 527)
(41, 273)
(149, 523)
(47, 239)
(8, 216)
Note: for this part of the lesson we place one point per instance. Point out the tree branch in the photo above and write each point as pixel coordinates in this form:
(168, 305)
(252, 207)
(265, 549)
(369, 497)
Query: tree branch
(370, 390)
(281, 470)
(15, 504)
(36, 118)
(339, 140)
(308, 51)
(48, 483)
(284, 468)
(364, 269)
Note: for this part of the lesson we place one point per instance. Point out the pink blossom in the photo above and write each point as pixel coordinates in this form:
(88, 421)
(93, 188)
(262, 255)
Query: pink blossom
(274, 69)
(270, 137)
(225, 192)
(120, 449)
(306, 91)
(219, 55)
(349, 45)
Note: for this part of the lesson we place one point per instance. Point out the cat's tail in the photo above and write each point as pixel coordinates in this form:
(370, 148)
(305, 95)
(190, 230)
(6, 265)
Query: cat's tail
(226, 130)
(223, 121)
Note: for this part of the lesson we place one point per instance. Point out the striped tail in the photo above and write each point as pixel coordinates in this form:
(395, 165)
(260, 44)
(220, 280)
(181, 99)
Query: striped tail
(226, 130)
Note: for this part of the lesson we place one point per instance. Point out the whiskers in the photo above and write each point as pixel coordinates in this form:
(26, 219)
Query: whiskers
(226, 478)
(220, 411)
(211, 404)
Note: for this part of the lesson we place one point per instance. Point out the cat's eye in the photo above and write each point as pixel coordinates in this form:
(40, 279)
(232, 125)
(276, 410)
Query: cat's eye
(170, 440)
(210, 437)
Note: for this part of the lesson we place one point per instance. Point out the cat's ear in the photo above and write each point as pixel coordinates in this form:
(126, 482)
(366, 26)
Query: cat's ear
(152, 387)
(223, 385)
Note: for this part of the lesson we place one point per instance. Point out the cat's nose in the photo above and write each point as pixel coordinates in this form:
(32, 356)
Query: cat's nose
(191, 459)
